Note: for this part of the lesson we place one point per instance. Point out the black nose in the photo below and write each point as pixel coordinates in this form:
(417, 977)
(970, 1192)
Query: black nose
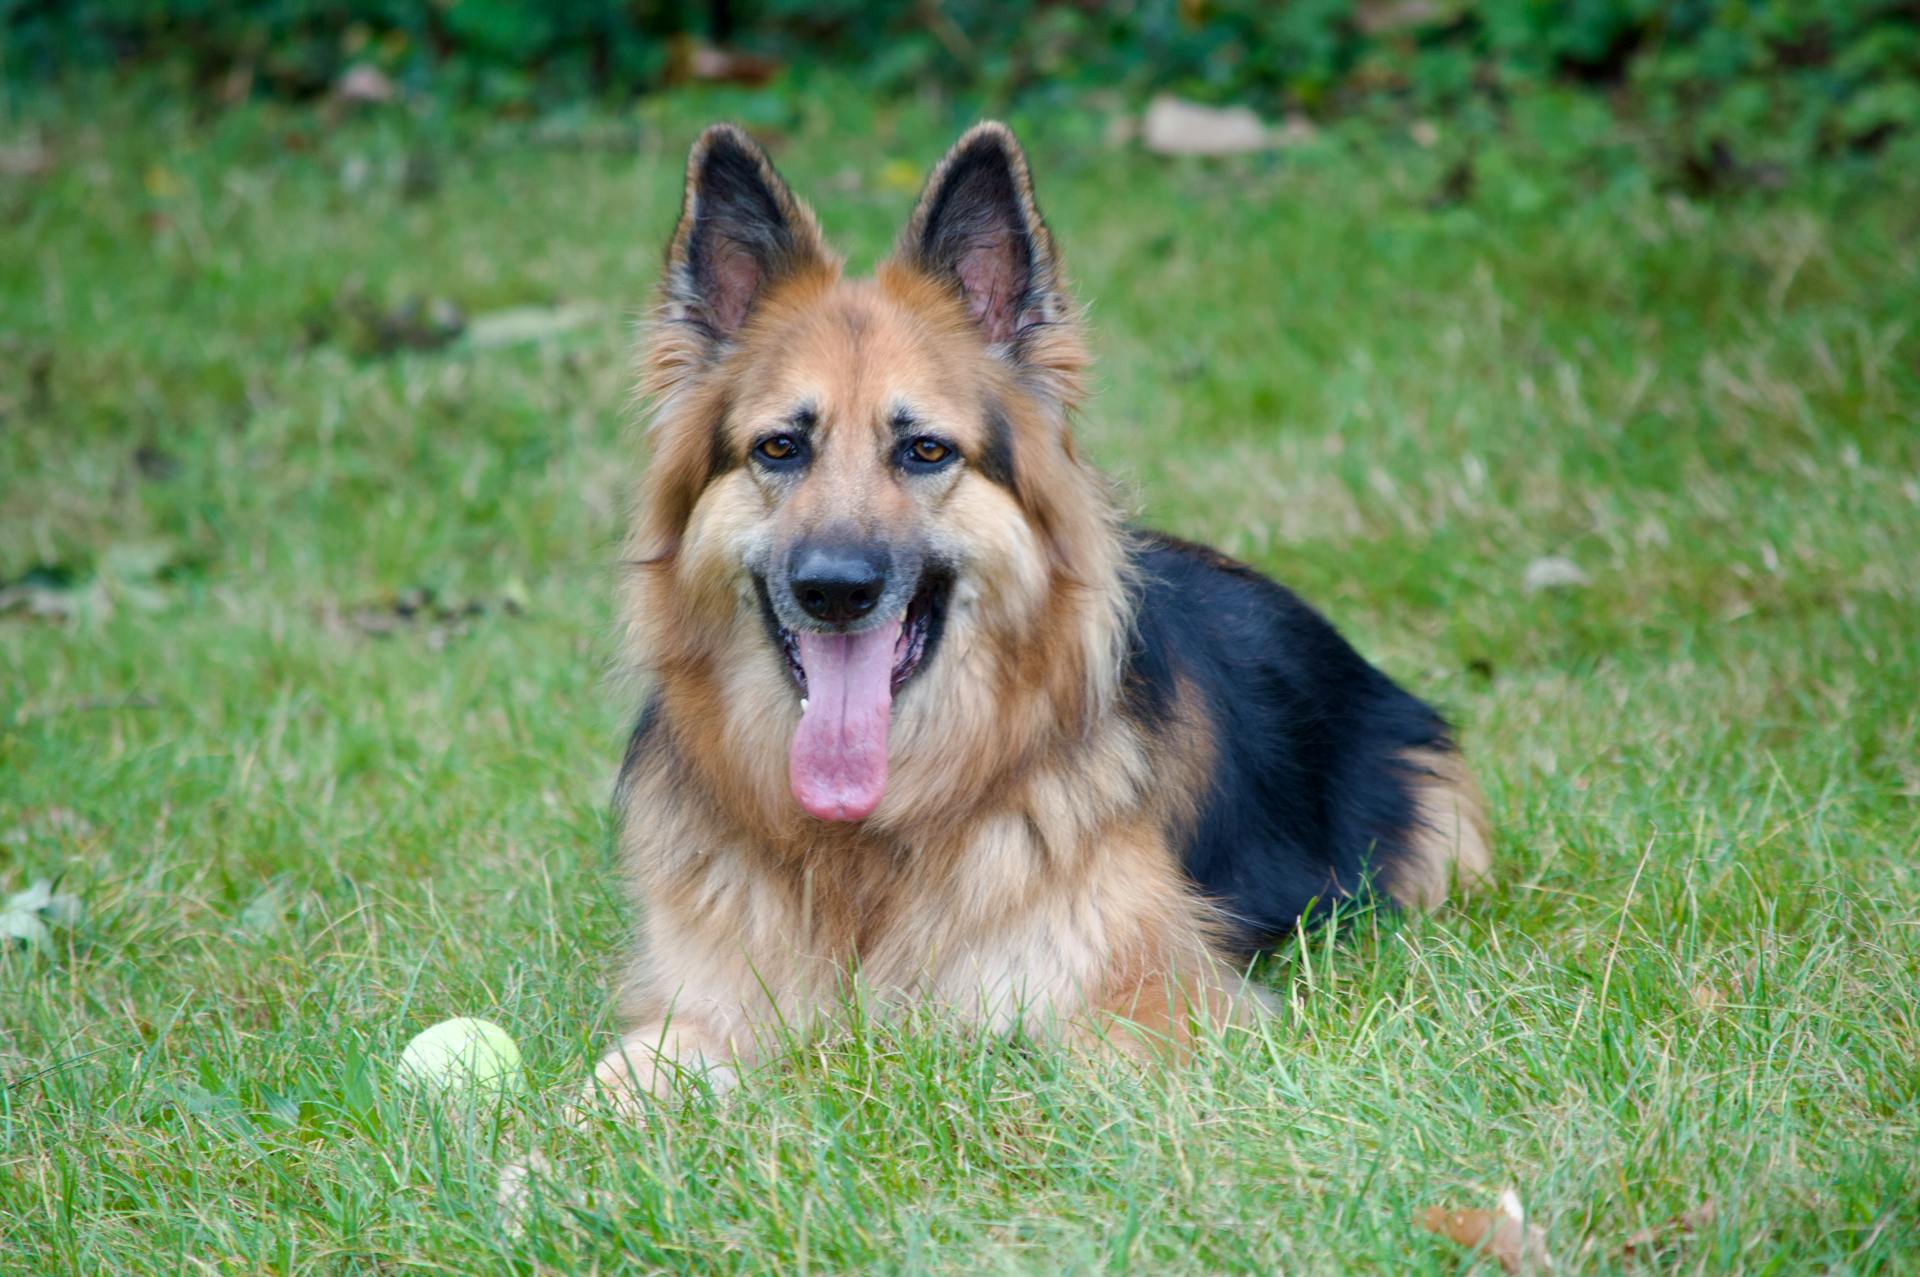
(838, 583)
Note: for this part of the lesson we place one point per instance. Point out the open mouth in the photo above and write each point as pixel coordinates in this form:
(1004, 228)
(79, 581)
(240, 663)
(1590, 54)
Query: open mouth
(837, 763)
(919, 632)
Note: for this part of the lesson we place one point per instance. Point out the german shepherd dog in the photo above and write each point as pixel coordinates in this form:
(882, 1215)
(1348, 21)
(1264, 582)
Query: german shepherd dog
(927, 716)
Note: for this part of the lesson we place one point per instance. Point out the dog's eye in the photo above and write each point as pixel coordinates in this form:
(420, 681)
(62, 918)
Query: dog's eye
(928, 452)
(778, 448)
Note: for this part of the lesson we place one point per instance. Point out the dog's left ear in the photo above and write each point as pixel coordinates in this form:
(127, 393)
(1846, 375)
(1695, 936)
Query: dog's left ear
(741, 232)
(977, 229)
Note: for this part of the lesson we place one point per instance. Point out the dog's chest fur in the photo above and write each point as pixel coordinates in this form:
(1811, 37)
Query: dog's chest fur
(1008, 918)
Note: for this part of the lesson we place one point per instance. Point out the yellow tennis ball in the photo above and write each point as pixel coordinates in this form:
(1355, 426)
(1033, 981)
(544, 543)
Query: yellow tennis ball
(463, 1054)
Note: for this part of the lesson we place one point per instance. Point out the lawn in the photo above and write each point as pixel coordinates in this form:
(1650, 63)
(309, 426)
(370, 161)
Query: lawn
(308, 695)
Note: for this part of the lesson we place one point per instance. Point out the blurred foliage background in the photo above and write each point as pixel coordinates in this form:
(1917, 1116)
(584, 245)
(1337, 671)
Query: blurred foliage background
(1725, 90)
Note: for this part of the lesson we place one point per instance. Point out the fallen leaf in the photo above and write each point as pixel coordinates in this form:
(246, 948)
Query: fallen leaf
(1174, 126)
(1462, 1227)
(47, 592)
(1503, 1232)
(63, 909)
(364, 84)
(373, 330)
(691, 59)
(518, 324)
(128, 572)
(1553, 573)
(25, 928)
(28, 916)
(40, 898)
(423, 610)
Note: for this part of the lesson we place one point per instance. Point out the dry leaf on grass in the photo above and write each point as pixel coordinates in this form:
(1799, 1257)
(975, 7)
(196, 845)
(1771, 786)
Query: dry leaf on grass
(363, 84)
(1552, 572)
(1176, 127)
(422, 610)
(691, 59)
(131, 573)
(517, 324)
(46, 591)
(30, 916)
(1503, 1232)
(370, 330)
(1685, 1224)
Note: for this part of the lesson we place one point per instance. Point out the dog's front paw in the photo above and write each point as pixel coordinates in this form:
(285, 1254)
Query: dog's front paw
(513, 1195)
(625, 1082)
(638, 1073)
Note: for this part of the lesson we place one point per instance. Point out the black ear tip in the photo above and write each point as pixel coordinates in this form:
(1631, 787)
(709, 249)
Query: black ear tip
(727, 168)
(724, 133)
(724, 143)
(991, 138)
(996, 130)
(986, 160)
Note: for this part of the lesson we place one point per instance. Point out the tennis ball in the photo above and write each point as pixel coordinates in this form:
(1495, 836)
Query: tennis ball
(463, 1054)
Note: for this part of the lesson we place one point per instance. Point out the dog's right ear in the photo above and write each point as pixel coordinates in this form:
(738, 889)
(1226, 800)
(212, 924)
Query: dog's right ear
(978, 232)
(741, 231)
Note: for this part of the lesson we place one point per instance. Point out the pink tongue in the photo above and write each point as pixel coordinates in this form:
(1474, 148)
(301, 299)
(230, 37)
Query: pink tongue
(838, 763)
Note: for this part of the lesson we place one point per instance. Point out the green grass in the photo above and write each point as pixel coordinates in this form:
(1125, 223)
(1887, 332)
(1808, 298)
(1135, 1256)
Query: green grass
(298, 842)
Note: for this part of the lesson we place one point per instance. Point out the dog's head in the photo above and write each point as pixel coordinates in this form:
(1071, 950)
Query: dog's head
(862, 498)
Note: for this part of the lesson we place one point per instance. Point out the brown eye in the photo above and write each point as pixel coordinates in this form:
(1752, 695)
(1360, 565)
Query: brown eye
(929, 452)
(778, 448)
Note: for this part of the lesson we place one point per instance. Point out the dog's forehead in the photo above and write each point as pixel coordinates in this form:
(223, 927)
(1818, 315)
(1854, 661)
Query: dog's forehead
(852, 353)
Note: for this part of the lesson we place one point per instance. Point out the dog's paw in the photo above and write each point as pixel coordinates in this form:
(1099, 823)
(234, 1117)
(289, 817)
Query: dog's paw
(513, 1195)
(625, 1083)
(634, 1076)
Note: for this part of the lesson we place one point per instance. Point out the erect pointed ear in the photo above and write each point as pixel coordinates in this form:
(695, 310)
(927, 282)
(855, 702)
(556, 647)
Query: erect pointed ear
(740, 231)
(977, 228)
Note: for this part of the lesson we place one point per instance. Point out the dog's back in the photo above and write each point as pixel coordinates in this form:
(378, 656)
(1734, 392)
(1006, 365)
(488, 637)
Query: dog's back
(1326, 777)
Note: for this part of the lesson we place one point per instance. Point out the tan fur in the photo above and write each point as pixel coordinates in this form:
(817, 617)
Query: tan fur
(1015, 870)
(1450, 844)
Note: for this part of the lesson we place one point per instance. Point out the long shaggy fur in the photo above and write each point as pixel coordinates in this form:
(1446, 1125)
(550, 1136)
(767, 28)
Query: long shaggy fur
(1128, 766)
